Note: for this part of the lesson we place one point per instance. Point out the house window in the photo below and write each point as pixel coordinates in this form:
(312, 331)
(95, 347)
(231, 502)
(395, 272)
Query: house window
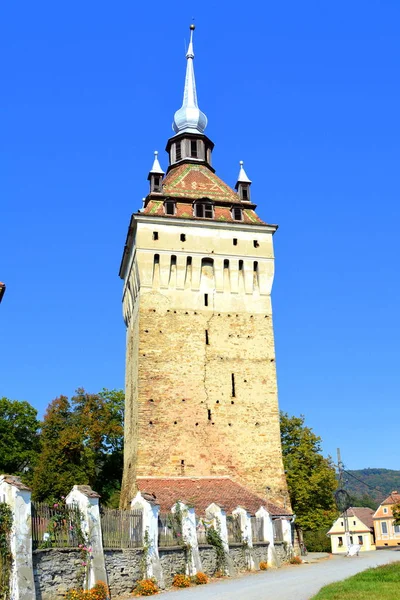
(360, 540)
(157, 183)
(193, 148)
(341, 522)
(237, 213)
(351, 539)
(155, 235)
(178, 151)
(354, 523)
(384, 527)
(245, 193)
(340, 541)
(205, 211)
(169, 208)
(385, 510)
(396, 528)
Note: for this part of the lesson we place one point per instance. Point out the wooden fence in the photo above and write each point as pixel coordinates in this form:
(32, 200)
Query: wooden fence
(234, 529)
(278, 532)
(257, 529)
(55, 526)
(168, 533)
(122, 528)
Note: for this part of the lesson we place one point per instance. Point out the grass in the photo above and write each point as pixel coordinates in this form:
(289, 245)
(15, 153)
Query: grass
(382, 583)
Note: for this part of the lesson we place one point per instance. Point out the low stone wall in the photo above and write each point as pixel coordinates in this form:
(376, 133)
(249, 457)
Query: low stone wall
(281, 549)
(124, 568)
(208, 557)
(55, 571)
(259, 553)
(173, 560)
(239, 556)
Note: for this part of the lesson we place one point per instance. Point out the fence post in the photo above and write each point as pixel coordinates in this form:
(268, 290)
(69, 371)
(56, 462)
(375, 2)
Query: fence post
(150, 511)
(18, 496)
(268, 530)
(87, 501)
(218, 516)
(247, 536)
(189, 535)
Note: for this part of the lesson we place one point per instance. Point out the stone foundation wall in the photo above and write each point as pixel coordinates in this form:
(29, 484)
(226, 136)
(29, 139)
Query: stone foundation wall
(208, 557)
(173, 560)
(281, 549)
(55, 572)
(124, 568)
(259, 553)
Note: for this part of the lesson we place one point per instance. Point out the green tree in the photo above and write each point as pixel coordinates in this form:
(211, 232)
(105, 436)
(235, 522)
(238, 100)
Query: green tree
(396, 513)
(81, 444)
(311, 477)
(19, 437)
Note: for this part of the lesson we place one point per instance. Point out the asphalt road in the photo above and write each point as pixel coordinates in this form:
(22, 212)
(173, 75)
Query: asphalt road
(287, 583)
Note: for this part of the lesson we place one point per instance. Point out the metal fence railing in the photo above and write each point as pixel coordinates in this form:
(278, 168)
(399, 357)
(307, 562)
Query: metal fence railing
(169, 533)
(257, 529)
(122, 528)
(55, 526)
(234, 529)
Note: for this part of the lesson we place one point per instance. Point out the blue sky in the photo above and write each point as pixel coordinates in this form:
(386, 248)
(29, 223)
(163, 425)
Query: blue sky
(307, 94)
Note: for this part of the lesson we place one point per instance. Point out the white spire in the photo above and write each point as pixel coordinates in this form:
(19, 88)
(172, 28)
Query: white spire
(156, 168)
(242, 177)
(189, 117)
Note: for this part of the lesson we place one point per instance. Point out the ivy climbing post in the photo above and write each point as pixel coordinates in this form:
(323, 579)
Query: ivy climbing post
(187, 518)
(151, 560)
(247, 537)
(17, 538)
(87, 501)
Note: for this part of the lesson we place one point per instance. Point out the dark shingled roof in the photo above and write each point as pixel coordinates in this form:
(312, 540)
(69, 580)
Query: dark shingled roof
(200, 492)
(364, 514)
(15, 481)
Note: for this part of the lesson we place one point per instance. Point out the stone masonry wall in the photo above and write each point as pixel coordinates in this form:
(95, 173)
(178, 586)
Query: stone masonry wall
(172, 561)
(208, 557)
(124, 569)
(55, 572)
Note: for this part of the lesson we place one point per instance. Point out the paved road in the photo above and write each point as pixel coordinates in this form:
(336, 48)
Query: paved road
(288, 583)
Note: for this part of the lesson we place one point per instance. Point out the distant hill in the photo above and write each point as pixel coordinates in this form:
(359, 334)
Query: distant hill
(383, 481)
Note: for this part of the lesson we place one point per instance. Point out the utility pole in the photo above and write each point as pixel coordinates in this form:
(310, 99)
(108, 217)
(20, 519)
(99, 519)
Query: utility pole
(344, 514)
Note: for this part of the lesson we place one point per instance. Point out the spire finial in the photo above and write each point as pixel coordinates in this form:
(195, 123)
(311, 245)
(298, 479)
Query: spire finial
(156, 168)
(242, 177)
(189, 117)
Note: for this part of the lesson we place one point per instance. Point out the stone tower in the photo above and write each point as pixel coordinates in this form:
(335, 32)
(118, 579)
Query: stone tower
(198, 266)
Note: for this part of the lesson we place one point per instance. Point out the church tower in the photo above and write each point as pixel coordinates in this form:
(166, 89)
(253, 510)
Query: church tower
(198, 267)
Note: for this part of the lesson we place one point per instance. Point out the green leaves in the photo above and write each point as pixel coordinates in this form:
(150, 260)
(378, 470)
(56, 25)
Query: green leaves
(19, 436)
(310, 477)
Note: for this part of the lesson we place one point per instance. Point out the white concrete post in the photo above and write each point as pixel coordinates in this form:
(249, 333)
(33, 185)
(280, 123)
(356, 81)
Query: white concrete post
(18, 496)
(84, 498)
(247, 534)
(150, 511)
(217, 516)
(189, 535)
(268, 536)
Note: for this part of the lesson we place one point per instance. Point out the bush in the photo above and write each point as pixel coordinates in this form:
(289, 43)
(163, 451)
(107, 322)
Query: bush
(181, 580)
(295, 560)
(200, 578)
(317, 541)
(99, 592)
(263, 566)
(146, 587)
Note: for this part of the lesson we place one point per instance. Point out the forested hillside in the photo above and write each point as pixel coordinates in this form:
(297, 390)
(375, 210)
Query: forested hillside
(370, 486)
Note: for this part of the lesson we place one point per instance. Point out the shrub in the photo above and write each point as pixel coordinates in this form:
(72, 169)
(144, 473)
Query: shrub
(200, 578)
(181, 580)
(146, 587)
(295, 560)
(99, 592)
(263, 566)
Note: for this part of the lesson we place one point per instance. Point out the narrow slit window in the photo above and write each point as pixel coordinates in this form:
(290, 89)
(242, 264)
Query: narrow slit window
(233, 386)
(193, 148)
(255, 244)
(183, 237)
(173, 260)
(155, 235)
(207, 340)
(169, 208)
(234, 241)
(209, 414)
(189, 261)
(178, 151)
(240, 265)
(205, 299)
(245, 194)
(226, 264)
(156, 259)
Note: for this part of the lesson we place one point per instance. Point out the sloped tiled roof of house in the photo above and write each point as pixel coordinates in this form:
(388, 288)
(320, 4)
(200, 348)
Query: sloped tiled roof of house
(394, 498)
(200, 492)
(197, 181)
(363, 513)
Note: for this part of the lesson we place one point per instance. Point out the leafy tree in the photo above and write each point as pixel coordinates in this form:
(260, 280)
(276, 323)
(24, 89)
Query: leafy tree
(396, 513)
(81, 444)
(311, 477)
(19, 438)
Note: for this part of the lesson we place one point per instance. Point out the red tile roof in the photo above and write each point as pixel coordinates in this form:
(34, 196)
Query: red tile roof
(394, 498)
(197, 181)
(364, 514)
(184, 210)
(200, 492)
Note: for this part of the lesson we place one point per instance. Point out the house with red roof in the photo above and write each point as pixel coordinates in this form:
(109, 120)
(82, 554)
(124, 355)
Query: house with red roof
(387, 534)
(360, 530)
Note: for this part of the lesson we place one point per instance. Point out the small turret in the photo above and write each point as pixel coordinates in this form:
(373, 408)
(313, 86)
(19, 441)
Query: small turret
(156, 175)
(243, 184)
